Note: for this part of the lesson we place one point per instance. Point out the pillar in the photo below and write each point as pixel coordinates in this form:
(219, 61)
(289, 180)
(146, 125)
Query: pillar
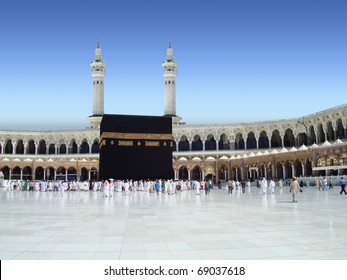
(284, 172)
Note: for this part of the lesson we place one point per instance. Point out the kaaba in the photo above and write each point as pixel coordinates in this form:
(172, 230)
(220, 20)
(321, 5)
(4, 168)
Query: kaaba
(135, 147)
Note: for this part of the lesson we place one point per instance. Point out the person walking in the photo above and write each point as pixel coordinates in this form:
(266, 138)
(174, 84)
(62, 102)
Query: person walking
(263, 185)
(294, 187)
(343, 185)
(243, 185)
(157, 187)
(272, 185)
(230, 187)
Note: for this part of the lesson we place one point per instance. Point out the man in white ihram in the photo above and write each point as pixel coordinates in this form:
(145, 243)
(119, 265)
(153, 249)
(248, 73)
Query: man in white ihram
(263, 185)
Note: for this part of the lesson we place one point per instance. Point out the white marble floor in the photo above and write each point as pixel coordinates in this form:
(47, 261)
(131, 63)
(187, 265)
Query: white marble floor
(85, 226)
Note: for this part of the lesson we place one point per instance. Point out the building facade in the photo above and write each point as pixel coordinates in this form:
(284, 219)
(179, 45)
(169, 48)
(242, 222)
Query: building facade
(311, 145)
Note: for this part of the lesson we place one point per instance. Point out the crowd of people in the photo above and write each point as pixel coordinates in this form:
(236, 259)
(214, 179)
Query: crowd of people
(110, 186)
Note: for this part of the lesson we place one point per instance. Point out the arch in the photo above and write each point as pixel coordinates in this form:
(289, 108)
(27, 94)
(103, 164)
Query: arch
(289, 171)
(196, 173)
(0, 148)
(183, 144)
(289, 139)
(42, 147)
(8, 149)
(20, 147)
(251, 141)
(298, 168)
(73, 147)
(62, 148)
(183, 173)
(239, 142)
(49, 173)
(340, 131)
(197, 143)
(6, 171)
(279, 170)
(321, 134)
(15, 173)
(95, 146)
(210, 143)
(263, 141)
(308, 168)
(84, 174)
(51, 149)
(61, 173)
(39, 173)
(302, 139)
(276, 140)
(236, 173)
(223, 172)
(224, 143)
(313, 137)
(27, 173)
(84, 147)
(330, 132)
(71, 174)
(31, 148)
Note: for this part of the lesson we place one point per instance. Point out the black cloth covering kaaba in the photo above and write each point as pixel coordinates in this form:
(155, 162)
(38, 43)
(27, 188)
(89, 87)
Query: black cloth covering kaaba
(135, 147)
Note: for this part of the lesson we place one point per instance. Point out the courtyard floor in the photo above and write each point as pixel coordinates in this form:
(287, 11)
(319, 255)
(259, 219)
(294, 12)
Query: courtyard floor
(141, 225)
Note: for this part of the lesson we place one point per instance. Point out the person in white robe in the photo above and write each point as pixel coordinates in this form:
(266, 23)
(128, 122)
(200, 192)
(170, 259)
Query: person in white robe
(61, 188)
(126, 187)
(248, 185)
(106, 188)
(111, 187)
(197, 187)
(263, 185)
(95, 186)
(272, 186)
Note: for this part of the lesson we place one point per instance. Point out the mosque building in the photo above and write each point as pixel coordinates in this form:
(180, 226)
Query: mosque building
(312, 145)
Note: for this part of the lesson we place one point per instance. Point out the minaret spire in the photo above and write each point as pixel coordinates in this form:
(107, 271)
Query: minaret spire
(169, 73)
(98, 73)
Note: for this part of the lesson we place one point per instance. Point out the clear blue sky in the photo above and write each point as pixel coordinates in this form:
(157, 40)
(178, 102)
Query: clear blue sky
(239, 60)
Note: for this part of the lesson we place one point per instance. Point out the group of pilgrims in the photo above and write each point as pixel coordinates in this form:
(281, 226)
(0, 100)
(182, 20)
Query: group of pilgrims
(110, 186)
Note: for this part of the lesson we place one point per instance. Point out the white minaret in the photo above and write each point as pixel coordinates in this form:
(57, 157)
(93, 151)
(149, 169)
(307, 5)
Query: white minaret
(169, 73)
(98, 73)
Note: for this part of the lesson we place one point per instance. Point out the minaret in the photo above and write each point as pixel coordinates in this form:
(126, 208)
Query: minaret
(98, 73)
(169, 73)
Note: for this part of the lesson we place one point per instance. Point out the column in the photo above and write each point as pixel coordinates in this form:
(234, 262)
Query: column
(67, 148)
(202, 175)
(55, 174)
(189, 175)
(190, 145)
(65, 174)
(36, 148)
(265, 172)
(284, 172)
(293, 170)
(10, 174)
(303, 170)
(21, 174)
(47, 149)
(14, 148)
(89, 175)
(56, 149)
(203, 145)
(2, 147)
(236, 174)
